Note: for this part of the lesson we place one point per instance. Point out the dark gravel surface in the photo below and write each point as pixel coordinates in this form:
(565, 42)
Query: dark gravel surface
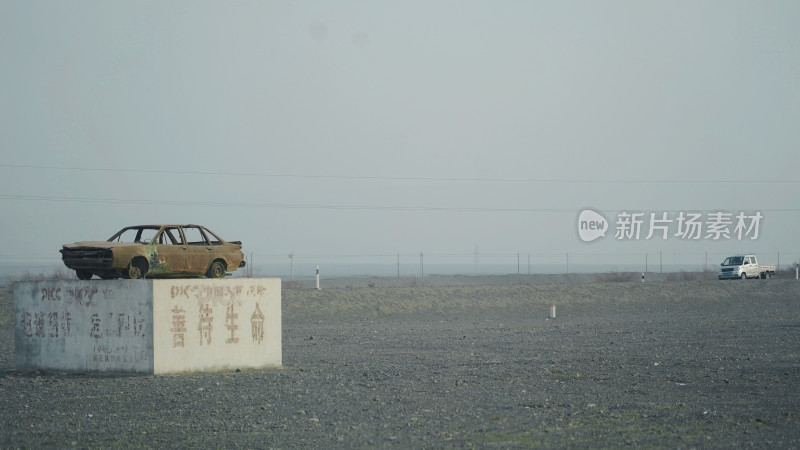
(681, 365)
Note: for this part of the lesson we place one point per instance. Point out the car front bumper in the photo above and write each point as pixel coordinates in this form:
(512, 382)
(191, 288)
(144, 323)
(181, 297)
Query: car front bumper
(87, 259)
(728, 275)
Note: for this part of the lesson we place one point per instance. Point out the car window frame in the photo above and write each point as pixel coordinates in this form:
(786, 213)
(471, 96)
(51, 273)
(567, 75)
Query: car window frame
(206, 241)
(165, 234)
(218, 241)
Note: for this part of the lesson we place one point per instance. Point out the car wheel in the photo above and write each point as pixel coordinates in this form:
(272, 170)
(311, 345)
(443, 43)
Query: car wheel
(767, 275)
(83, 274)
(217, 270)
(744, 275)
(137, 269)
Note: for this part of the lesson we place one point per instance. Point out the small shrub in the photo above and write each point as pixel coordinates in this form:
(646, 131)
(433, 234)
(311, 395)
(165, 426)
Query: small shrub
(55, 274)
(696, 275)
(293, 285)
(416, 283)
(708, 274)
(616, 277)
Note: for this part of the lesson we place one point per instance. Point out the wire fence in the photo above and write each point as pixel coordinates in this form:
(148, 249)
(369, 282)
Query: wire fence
(521, 263)
(421, 264)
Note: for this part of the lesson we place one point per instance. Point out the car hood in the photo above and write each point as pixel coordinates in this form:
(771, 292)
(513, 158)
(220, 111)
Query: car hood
(99, 244)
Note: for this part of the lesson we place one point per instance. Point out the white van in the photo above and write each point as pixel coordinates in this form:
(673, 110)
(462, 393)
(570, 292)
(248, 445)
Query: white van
(742, 267)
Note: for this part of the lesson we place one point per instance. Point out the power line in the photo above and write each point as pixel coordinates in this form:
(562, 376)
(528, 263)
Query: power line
(333, 207)
(392, 178)
(275, 205)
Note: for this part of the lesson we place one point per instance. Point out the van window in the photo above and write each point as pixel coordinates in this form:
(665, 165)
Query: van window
(733, 261)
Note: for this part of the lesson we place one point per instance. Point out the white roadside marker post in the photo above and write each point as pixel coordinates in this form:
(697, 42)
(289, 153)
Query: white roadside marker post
(317, 276)
(552, 311)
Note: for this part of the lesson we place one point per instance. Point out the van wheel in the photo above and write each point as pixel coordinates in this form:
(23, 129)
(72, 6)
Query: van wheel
(744, 275)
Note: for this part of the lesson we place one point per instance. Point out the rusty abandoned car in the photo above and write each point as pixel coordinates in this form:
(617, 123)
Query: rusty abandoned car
(155, 251)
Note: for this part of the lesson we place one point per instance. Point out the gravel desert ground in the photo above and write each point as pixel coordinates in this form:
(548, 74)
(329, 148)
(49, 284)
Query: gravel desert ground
(682, 364)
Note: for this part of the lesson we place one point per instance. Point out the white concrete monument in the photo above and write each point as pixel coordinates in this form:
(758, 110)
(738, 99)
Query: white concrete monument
(148, 326)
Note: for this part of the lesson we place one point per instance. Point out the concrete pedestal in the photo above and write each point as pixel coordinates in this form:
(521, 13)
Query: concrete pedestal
(148, 326)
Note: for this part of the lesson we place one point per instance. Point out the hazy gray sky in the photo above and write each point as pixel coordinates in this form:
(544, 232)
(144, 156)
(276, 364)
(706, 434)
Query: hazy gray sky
(262, 120)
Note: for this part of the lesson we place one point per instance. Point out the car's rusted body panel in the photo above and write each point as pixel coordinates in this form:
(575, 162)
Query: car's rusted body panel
(155, 251)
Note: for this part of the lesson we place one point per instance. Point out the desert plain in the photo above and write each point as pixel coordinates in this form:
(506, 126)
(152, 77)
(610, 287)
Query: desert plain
(458, 362)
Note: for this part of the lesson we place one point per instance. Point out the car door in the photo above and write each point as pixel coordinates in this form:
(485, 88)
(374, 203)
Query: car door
(171, 252)
(749, 267)
(199, 250)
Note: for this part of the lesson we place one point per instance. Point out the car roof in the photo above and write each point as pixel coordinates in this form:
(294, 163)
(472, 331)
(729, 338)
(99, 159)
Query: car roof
(165, 225)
